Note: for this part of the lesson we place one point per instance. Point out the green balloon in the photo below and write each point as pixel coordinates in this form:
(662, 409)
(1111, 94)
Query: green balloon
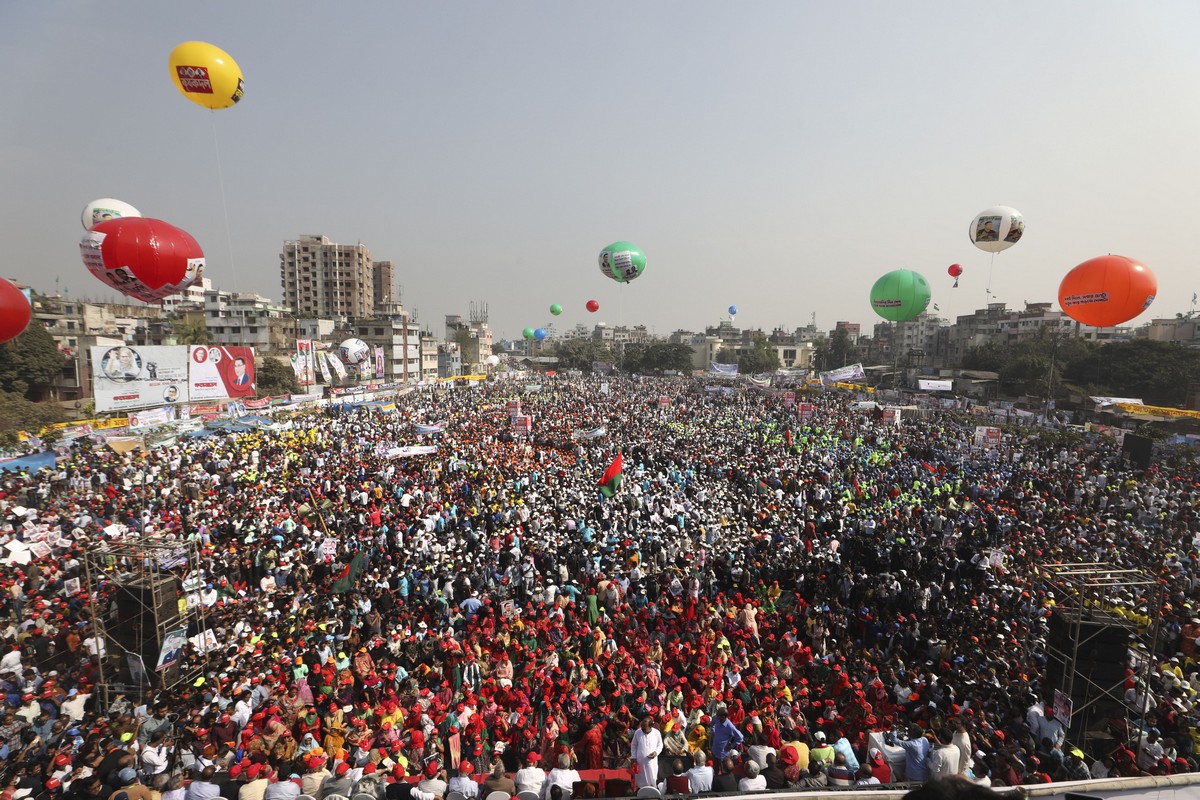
(556, 309)
(527, 333)
(900, 295)
(622, 262)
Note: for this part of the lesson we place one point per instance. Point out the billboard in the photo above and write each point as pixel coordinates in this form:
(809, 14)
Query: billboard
(927, 385)
(125, 377)
(220, 372)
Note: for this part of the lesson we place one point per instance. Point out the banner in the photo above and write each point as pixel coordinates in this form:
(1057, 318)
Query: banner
(172, 646)
(336, 365)
(806, 410)
(220, 372)
(522, 424)
(151, 417)
(306, 356)
(987, 436)
(138, 377)
(851, 372)
(664, 401)
(588, 435)
(296, 367)
(723, 369)
(428, 430)
(320, 356)
(514, 408)
(1112, 401)
(926, 385)
(789, 399)
(412, 450)
(760, 383)
(378, 361)
(602, 366)
(532, 388)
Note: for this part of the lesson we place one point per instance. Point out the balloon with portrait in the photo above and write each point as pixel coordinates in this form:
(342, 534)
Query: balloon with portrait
(15, 311)
(900, 295)
(206, 75)
(733, 311)
(354, 351)
(996, 229)
(622, 262)
(141, 257)
(104, 209)
(1107, 291)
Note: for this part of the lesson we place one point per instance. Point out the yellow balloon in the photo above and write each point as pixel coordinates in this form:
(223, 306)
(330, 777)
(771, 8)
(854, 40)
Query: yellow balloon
(206, 75)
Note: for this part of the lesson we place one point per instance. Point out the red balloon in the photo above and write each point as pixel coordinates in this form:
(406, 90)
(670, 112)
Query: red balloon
(1107, 291)
(593, 306)
(954, 271)
(144, 258)
(15, 312)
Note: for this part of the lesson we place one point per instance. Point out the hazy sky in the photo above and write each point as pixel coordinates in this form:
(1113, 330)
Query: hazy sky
(774, 155)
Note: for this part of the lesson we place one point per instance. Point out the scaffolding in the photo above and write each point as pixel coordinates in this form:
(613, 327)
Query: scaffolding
(1089, 593)
(154, 586)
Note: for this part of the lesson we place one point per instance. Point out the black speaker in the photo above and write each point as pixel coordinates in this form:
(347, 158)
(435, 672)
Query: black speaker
(138, 618)
(1139, 449)
(1100, 663)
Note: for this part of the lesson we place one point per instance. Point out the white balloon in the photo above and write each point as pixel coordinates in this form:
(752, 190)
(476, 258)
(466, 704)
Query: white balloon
(104, 209)
(493, 360)
(996, 229)
(354, 351)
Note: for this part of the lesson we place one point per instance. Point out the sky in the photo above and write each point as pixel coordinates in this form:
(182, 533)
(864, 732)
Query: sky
(776, 156)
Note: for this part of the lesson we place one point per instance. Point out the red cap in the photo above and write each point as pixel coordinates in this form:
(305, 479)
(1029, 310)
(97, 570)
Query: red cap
(343, 768)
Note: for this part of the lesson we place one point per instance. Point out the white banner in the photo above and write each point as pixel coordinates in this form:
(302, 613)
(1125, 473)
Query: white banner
(151, 417)
(412, 450)
(216, 373)
(125, 378)
(927, 385)
(336, 365)
(847, 373)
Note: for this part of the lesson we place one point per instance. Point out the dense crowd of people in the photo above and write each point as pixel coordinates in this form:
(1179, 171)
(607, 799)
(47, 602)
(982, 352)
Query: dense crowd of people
(770, 601)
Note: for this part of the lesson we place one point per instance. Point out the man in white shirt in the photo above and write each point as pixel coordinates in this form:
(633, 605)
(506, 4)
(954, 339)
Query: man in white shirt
(753, 782)
(561, 776)
(531, 778)
(644, 749)
(701, 775)
(156, 754)
(943, 761)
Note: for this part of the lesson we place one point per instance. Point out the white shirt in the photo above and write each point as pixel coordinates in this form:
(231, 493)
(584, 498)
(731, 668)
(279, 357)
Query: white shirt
(154, 759)
(646, 745)
(700, 778)
(564, 778)
(755, 784)
(530, 779)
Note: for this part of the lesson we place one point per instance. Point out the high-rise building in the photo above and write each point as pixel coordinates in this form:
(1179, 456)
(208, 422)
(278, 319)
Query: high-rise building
(321, 278)
(383, 276)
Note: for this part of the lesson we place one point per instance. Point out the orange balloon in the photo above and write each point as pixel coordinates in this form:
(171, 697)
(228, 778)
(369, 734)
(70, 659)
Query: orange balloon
(1107, 291)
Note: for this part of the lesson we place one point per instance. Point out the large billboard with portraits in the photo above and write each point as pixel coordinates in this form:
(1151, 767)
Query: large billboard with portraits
(219, 372)
(127, 377)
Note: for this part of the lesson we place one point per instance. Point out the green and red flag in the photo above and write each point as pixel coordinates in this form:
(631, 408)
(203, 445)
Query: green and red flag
(610, 482)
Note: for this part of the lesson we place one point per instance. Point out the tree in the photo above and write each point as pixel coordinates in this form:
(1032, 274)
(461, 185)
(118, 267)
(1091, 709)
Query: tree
(1157, 372)
(841, 350)
(761, 357)
(580, 353)
(657, 357)
(192, 331)
(30, 363)
(19, 414)
(275, 378)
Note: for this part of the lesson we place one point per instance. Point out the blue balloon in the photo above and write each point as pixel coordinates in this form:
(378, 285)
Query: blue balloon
(732, 310)
(540, 334)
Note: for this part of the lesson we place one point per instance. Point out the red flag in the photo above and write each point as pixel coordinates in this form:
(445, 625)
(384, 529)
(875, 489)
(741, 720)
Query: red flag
(610, 482)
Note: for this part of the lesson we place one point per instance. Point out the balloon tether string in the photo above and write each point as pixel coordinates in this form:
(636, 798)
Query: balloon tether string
(212, 115)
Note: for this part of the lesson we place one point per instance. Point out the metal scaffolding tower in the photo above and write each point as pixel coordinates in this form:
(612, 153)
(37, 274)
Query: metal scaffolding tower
(1086, 612)
(151, 586)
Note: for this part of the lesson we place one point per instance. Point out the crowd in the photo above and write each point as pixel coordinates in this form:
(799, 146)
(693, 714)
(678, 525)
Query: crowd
(767, 602)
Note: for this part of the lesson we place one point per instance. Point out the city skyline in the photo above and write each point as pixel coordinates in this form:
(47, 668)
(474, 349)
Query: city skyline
(777, 158)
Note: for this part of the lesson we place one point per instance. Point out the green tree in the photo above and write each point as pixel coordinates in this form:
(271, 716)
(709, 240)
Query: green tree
(30, 363)
(841, 350)
(275, 378)
(192, 331)
(580, 353)
(762, 356)
(20, 414)
(1158, 372)
(989, 357)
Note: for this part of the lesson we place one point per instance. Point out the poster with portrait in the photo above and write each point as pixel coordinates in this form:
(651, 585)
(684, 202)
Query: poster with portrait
(1016, 227)
(216, 373)
(172, 646)
(126, 377)
(987, 229)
